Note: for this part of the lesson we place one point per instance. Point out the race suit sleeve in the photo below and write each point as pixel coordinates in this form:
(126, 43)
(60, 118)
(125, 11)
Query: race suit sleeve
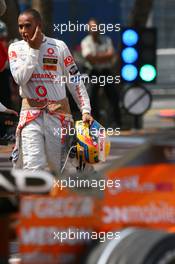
(22, 68)
(74, 83)
(2, 108)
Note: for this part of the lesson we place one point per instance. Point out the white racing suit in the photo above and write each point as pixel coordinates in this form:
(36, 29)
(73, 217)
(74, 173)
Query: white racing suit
(41, 75)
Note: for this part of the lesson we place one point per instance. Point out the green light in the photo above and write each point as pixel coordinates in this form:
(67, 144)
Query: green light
(147, 73)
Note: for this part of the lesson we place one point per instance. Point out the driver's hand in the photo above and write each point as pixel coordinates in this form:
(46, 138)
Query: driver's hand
(87, 118)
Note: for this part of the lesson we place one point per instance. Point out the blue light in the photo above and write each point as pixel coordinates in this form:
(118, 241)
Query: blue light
(130, 37)
(129, 55)
(129, 73)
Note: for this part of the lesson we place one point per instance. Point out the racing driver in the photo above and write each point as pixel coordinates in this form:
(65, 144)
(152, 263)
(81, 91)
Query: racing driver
(38, 64)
